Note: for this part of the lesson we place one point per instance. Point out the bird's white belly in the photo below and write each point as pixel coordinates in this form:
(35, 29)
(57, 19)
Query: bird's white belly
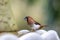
(34, 26)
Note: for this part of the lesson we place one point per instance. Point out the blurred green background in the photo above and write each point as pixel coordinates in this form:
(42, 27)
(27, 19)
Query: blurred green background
(46, 12)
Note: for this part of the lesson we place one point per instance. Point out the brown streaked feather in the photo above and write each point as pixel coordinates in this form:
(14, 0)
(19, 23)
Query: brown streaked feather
(41, 27)
(37, 23)
(30, 20)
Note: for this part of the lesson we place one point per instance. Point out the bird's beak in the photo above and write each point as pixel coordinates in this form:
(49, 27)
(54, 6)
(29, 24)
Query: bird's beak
(25, 19)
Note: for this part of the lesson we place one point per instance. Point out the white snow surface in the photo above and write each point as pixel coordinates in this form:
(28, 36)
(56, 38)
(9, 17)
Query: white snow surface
(31, 36)
(8, 36)
(50, 35)
(37, 35)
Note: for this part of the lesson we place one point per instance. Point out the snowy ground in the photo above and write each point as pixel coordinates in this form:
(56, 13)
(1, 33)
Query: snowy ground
(27, 35)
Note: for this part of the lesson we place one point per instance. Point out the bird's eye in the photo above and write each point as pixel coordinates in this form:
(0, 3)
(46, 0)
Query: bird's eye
(25, 18)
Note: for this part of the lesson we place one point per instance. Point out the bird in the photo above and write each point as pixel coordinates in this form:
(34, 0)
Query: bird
(33, 24)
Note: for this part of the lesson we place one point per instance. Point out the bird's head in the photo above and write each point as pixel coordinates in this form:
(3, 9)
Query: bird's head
(26, 18)
(29, 20)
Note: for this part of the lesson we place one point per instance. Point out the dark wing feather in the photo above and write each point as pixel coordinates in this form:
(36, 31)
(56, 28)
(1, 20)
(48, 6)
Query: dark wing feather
(37, 23)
